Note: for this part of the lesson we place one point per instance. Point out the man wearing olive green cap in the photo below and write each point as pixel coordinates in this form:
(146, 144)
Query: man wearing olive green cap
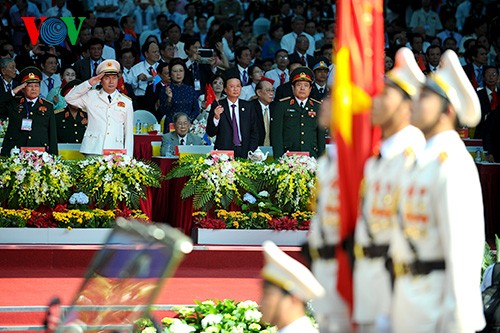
(31, 118)
(438, 246)
(294, 119)
(288, 285)
(401, 144)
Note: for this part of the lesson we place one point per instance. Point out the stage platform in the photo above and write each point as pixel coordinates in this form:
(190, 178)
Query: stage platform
(30, 275)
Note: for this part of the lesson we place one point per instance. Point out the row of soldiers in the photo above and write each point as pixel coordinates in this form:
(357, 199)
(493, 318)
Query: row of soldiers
(419, 237)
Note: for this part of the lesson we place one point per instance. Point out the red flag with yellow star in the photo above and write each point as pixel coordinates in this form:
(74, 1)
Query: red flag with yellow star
(358, 77)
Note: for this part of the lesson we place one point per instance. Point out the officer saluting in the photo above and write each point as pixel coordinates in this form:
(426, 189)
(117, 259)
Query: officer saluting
(401, 142)
(110, 113)
(31, 118)
(71, 121)
(288, 285)
(437, 249)
(294, 120)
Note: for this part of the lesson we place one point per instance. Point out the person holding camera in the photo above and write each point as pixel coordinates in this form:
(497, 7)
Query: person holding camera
(199, 66)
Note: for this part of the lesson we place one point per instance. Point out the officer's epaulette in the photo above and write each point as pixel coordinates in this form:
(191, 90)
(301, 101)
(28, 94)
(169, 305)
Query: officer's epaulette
(285, 98)
(315, 100)
(442, 157)
(43, 100)
(58, 111)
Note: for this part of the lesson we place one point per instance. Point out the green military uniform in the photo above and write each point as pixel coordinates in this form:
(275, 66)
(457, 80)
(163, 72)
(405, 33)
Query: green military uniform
(296, 128)
(38, 121)
(70, 129)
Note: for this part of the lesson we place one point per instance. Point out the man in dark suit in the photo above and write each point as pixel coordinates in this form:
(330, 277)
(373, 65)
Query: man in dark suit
(153, 90)
(233, 121)
(474, 70)
(265, 95)
(179, 137)
(300, 54)
(489, 98)
(294, 124)
(8, 71)
(243, 59)
(433, 56)
(31, 118)
(320, 87)
(86, 68)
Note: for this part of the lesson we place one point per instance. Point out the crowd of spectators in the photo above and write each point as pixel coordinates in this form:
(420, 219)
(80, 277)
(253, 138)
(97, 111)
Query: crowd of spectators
(189, 44)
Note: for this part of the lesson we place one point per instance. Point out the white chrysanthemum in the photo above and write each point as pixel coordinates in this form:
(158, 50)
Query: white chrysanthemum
(179, 327)
(149, 330)
(247, 305)
(211, 319)
(253, 315)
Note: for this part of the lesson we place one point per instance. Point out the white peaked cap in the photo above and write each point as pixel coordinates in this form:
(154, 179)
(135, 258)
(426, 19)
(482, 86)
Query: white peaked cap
(287, 273)
(451, 82)
(406, 74)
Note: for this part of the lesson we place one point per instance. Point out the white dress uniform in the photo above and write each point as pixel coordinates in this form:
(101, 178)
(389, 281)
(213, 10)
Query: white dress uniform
(374, 228)
(330, 310)
(442, 216)
(438, 247)
(301, 325)
(110, 124)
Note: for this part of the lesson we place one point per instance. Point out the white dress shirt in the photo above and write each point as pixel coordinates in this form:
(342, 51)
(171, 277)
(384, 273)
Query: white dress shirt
(275, 74)
(288, 43)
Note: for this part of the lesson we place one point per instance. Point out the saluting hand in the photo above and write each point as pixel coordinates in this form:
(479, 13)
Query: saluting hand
(19, 88)
(96, 79)
(218, 111)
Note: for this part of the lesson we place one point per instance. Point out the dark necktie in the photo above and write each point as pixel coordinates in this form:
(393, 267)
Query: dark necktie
(494, 100)
(8, 86)
(50, 83)
(303, 60)
(302, 105)
(144, 18)
(282, 78)
(236, 135)
(150, 70)
(31, 104)
(182, 142)
(109, 98)
(321, 90)
(95, 68)
(59, 12)
(245, 77)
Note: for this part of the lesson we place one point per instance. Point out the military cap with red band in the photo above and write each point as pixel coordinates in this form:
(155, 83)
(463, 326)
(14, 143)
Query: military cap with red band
(30, 74)
(302, 73)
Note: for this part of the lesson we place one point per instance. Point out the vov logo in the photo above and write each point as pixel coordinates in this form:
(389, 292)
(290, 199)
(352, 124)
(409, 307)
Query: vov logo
(53, 30)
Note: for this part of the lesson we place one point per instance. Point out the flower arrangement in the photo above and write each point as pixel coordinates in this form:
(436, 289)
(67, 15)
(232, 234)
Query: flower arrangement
(62, 217)
(199, 128)
(252, 220)
(292, 180)
(214, 180)
(212, 316)
(116, 179)
(3, 127)
(33, 179)
(275, 188)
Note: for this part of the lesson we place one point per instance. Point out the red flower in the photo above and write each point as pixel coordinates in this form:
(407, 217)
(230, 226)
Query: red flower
(283, 223)
(210, 223)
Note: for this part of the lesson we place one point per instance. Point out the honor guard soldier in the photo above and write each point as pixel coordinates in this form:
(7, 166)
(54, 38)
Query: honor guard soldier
(330, 310)
(110, 113)
(71, 121)
(31, 118)
(401, 142)
(437, 249)
(288, 285)
(294, 120)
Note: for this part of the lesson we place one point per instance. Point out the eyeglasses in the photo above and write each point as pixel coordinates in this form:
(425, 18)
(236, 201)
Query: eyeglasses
(283, 57)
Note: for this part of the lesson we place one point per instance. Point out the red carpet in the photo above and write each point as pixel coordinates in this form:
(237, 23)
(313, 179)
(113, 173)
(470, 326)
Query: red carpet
(32, 275)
